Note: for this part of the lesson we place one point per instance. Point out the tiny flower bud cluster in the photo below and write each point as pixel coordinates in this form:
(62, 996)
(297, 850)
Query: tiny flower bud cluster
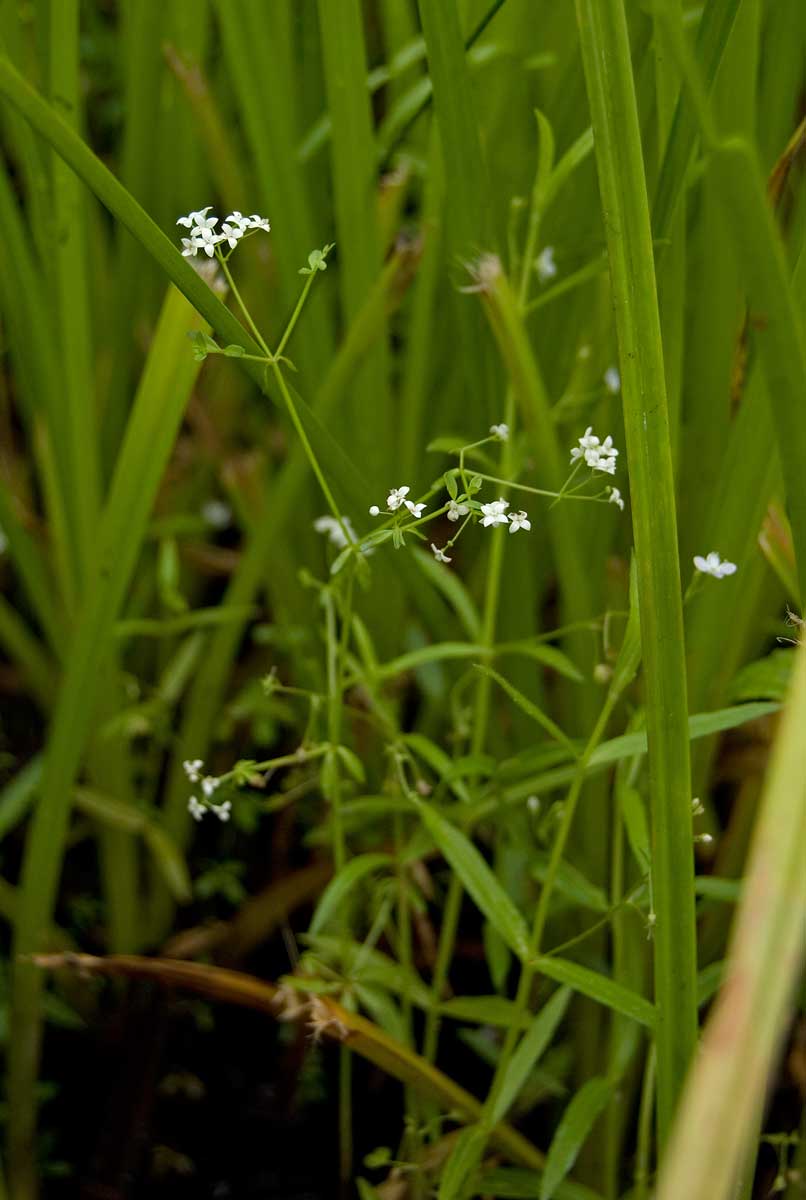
(599, 456)
(209, 785)
(203, 234)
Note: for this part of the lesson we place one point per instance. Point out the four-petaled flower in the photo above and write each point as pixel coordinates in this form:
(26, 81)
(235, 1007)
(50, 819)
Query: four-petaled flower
(231, 234)
(500, 431)
(599, 456)
(440, 555)
(195, 809)
(494, 513)
(416, 510)
(192, 768)
(198, 220)
(519, 520)
(712, 564)
(206, 240)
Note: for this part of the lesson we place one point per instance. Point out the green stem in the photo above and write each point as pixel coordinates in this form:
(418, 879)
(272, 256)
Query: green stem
(247, 315)
(303, 296)
(608, 71)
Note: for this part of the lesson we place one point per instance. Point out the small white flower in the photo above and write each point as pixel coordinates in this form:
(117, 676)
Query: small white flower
(195, 809)
(712, 564)
(209, 784)
(335, 530)
(612, 381)
(257, 222)
(190, 247)
(416, 510)
(236, 218)
(440, 555)
(192, 768)
(501, 432)
(608, 465)
(206, 240)
(374, 511)
(199, 219)
(223, 810)
(519, 520)
(231, 234)
(587, 443)
(545, 265)
(615, 498)
(216, 513)
(494, 513)
(396, 497)
(455, 510)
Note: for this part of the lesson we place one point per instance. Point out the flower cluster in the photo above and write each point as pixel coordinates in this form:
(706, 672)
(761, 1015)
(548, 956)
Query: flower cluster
(599, 456)
(712, 564)
(397, 499)
(209, 785)
(495, 513)
(204, 236)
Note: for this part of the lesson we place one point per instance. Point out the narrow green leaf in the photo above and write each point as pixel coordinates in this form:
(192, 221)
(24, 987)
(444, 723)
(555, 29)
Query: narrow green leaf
(531, 1047)
(531, 710)
(341, 885)
(601, 989)
(483, 1010)
(462, 1164)
(478, 880)
(572, 1132)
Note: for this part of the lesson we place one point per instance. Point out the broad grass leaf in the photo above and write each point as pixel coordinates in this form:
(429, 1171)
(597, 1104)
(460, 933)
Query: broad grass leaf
(766, 679)
(531, 1047)
(479, 881)
(572, 1132)
(339, 888)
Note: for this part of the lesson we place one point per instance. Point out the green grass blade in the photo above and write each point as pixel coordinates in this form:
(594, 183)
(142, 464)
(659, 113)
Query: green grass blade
(608, 71)
(157, 411)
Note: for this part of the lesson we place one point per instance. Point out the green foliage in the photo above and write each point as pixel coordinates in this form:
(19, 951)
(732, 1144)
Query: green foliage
(467, 764)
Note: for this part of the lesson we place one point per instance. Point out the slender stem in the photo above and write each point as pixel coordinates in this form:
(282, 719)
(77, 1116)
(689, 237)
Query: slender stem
(447, 936)
(303, 296)
(247, 315)
(645, 1126)
(528, 972)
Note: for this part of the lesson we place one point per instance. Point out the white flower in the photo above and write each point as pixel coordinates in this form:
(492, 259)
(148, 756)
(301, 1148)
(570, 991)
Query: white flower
(374, 511)
(199, 219)
(501, 432)
(416, 510)
(455, 510)
(334, 530)
(396, 497)
(231, 233)
(216, 513)
(195, 809)
(519, 520)
(599, 456)
(494, 513)
(223, 810)
(615, 498)
(256, 222)
(712, 564)
(206, 240)
(587, 443)
(209, 784)
(440, 555)
(192, 768)
(236, 218)
(545, 265)
(612, 381)
(190, 247)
